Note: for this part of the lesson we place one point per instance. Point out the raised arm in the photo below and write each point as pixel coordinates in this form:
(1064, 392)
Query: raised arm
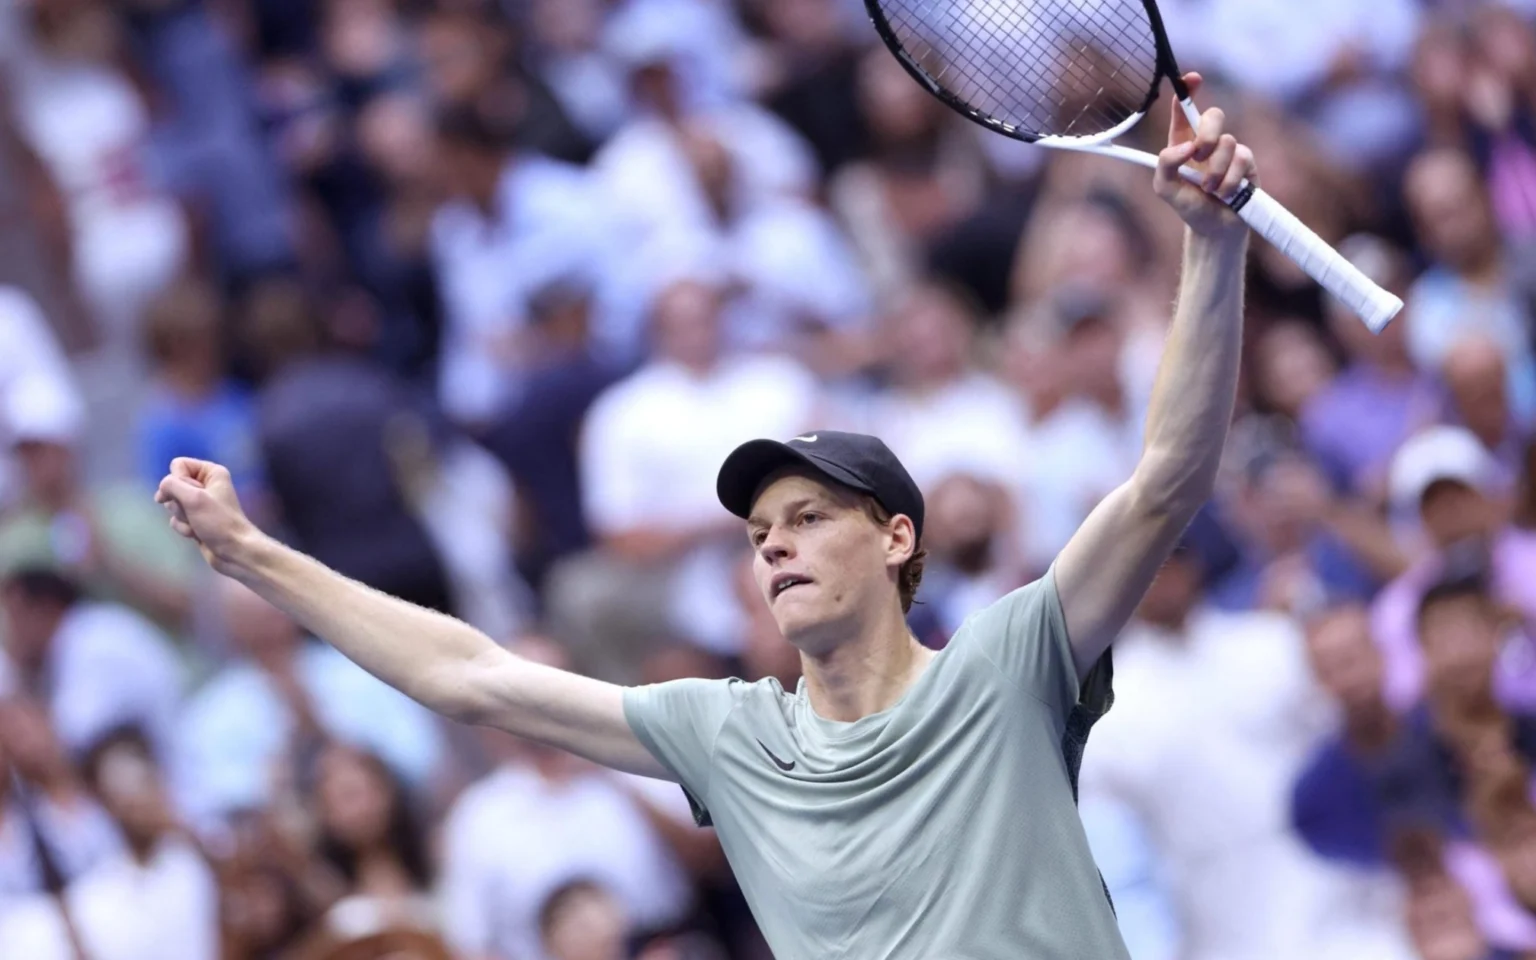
(440, 662)
(1106, 568)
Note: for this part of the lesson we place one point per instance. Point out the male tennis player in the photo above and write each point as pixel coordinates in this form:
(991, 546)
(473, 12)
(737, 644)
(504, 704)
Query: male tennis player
(900, 803)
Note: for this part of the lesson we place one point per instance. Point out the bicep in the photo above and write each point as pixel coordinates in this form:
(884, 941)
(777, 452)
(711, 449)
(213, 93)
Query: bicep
(1107, 566)
(560, 709)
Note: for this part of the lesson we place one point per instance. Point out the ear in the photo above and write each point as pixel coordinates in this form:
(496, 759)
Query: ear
(901, 540)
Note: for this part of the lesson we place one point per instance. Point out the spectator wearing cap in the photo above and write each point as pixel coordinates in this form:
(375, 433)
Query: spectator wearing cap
(1214, 715)
(28, 349)
(648, 450)
(276, 702)
(95, 665)
(108, 536)
(1446, 477)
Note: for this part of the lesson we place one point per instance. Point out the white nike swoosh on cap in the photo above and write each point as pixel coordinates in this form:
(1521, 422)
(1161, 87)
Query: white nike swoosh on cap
(808, 438)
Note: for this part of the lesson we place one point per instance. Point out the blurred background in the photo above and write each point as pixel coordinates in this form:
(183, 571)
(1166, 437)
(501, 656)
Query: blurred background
(473, 296)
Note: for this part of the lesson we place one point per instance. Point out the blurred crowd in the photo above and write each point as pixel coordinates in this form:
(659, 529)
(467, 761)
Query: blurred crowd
(473, 297)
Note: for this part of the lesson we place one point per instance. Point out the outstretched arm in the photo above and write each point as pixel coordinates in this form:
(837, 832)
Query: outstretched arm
(442, 663)
(1106, 568)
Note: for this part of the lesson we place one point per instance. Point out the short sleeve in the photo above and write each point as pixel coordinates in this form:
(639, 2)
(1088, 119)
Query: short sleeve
(1025, 635)
(679, 722)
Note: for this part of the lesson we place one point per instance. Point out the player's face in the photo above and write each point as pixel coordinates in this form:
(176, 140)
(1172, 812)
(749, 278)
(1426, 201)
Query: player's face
(821, 562)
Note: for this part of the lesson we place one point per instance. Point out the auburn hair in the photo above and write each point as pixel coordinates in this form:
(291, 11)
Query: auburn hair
(910, 576)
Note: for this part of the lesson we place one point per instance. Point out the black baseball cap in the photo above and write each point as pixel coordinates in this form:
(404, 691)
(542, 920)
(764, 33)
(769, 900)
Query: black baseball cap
(854, 460)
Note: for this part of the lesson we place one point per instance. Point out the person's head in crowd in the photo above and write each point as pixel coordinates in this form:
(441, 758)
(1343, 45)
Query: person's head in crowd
(1474, 375)
(1451, 210)
(651, 55)
(35, 601)
(1175, 592)
(1345, 660)
(1290, 366)
(1093, 243)
(1439, 70)
(256, 628)
(560, 310)
(966, 516)
(1446, 477)
(566, 26)
(472, 150)
(278, 324)
(362, 41)
(686, 324)
(1281, 498)
(369, 831)
(930, 337)
(462, 53)
(1504, 42)
(581, 920)
(121, 771)
(1031, 363)
(1460, 629)
(45, 421)
(182, 336)
(808, 28)
(765, 652)
(394, 132)
(1067, 345)
(1389, 267)
(904, 120)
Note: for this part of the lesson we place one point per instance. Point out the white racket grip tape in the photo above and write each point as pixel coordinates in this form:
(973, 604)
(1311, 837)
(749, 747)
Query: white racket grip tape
(1322, 263)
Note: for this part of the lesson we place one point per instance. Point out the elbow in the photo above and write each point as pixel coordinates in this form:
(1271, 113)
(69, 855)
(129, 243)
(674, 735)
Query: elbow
(458, 691)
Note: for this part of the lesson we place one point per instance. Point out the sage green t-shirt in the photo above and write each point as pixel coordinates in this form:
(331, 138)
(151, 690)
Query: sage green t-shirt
(943, 828)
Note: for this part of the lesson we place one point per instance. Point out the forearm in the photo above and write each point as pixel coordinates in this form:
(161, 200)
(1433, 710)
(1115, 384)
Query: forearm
(420, 652)
(1196, 385)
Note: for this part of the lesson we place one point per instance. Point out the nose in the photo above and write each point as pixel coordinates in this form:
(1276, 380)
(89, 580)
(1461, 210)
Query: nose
(775, 547)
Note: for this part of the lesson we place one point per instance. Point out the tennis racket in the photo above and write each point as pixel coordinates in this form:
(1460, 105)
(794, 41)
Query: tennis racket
(1075, 75)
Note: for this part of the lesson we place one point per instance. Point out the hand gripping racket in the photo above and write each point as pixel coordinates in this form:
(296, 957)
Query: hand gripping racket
(1074, 75)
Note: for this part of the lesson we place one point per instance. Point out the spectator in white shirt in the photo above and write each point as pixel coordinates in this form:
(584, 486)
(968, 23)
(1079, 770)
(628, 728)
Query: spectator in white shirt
(281, 696)
(542, 819)
(1214, 714)
(648, 454)
(155, 900)
(943, 414)
(28, 350)
(515, 220)
(97, 666)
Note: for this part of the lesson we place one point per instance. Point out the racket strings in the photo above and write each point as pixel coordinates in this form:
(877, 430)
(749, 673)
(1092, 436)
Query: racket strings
(1073, 68)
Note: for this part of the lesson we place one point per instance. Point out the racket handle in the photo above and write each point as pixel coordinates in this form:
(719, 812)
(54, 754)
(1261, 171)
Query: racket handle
(1322, 263)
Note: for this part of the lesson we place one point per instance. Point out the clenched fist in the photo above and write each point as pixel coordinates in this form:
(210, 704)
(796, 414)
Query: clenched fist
(200, 498)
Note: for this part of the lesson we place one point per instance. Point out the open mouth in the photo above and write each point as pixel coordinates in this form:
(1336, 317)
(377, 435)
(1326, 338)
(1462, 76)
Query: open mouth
(787, 581)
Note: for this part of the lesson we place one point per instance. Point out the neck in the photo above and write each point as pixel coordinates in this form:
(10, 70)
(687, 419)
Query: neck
(193, 383)
(866, 674)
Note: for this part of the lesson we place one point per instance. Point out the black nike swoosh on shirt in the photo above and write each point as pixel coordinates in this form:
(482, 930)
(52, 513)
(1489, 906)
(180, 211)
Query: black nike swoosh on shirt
(777, 762)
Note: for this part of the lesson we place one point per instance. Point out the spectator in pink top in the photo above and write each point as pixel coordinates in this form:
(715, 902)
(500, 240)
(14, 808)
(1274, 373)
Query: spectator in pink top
(1455, 486)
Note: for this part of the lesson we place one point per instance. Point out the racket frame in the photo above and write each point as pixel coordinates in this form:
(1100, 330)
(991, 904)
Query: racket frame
(1375, 306)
